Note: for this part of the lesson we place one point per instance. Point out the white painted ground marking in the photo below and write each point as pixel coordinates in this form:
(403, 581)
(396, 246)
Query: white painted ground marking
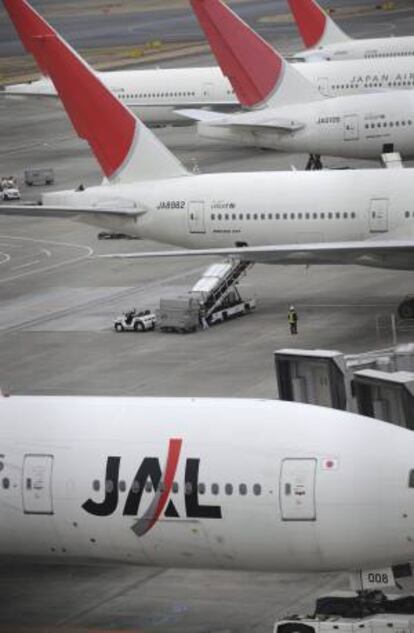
(88, 249)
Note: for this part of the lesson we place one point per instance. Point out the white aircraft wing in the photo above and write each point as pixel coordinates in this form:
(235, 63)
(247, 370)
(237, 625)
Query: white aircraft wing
(242, 120)
(398, 254)
(47, 211)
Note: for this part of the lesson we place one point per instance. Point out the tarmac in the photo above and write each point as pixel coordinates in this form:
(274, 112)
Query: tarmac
(58, 303)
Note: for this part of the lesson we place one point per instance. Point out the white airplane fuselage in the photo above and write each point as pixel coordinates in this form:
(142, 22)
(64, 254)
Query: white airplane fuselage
(236, 484)
(384, 47)
(263, 208)
(358, 126)
(154, 95)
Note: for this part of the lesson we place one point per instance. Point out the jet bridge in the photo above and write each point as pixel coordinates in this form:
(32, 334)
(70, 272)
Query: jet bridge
(378, 384)
(387, 396)
(312, 376)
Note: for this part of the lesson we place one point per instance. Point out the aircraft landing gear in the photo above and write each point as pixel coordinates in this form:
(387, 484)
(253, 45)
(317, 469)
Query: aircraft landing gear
(314, 163)
(406, 308)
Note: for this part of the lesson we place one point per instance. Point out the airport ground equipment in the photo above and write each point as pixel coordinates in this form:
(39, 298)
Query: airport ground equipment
(367, 612)
(39, 177)
(135, 321)
(8, 188)
(214, 299)
(385, 395)
(379, 384)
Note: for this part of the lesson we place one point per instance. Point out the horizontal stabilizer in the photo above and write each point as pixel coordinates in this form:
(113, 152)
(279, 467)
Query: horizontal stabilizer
(206, 116)
(252, 120)
(40, 211)
(398, 254)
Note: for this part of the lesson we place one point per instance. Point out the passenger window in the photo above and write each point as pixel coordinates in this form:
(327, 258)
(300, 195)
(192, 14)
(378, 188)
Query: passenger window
(135, 486)
(188, 489)
(148, 487)
(243, 489)
(6, 483)
(257, 489)
(109, 485)
(96, 485)
(122, 486)
(411, 479)
(201, 489)
(214, 489)
(175, 487)
(228, 489)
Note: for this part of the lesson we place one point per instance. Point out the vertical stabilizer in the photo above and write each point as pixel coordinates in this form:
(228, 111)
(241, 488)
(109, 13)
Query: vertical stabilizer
(125, 149)
(259, 75)
(315, 26)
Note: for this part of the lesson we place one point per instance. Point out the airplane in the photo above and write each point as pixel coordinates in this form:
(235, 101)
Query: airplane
(275, 486)
(294, 116)
(329, 217)
(324, 40)
(156, 94)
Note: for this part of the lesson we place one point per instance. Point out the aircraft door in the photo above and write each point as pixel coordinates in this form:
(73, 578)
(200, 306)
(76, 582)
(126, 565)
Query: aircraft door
(297, 490)
(196, 217)
(323, 86)
(378, 215)
(37, 484)
(351, 127)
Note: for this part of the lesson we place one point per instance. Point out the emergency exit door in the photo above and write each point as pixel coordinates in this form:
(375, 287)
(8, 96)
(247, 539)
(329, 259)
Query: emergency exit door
(196, 217)
(37, 484)
(378, 215)
(297, 490)
(323, 86)
(351, 127)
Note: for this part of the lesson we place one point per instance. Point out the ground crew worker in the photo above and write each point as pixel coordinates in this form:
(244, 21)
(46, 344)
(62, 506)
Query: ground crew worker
(293, 320)
(202, 316)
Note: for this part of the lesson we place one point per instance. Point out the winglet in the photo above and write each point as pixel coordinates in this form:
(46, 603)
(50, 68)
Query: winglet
(316, 28)
(123, 146)
(258, 73)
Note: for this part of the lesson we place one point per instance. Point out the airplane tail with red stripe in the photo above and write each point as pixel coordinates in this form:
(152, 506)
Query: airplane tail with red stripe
(125, 149)
(258, 73)
(315, 26)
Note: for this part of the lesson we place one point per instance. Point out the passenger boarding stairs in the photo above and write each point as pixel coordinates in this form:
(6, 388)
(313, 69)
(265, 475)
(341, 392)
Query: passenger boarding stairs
(218, 282)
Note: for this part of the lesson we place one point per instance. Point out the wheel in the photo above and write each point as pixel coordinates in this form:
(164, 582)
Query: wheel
(119, 327)
(406, 309)
(138, 326)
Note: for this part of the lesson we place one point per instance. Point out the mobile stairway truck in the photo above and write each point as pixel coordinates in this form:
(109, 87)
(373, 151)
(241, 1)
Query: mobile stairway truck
(215, 298)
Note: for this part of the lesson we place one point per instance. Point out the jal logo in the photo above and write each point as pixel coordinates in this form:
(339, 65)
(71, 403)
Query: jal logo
(161, 483)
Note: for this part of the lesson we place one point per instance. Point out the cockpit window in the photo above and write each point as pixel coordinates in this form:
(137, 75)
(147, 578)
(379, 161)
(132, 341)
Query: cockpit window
(411, 479)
